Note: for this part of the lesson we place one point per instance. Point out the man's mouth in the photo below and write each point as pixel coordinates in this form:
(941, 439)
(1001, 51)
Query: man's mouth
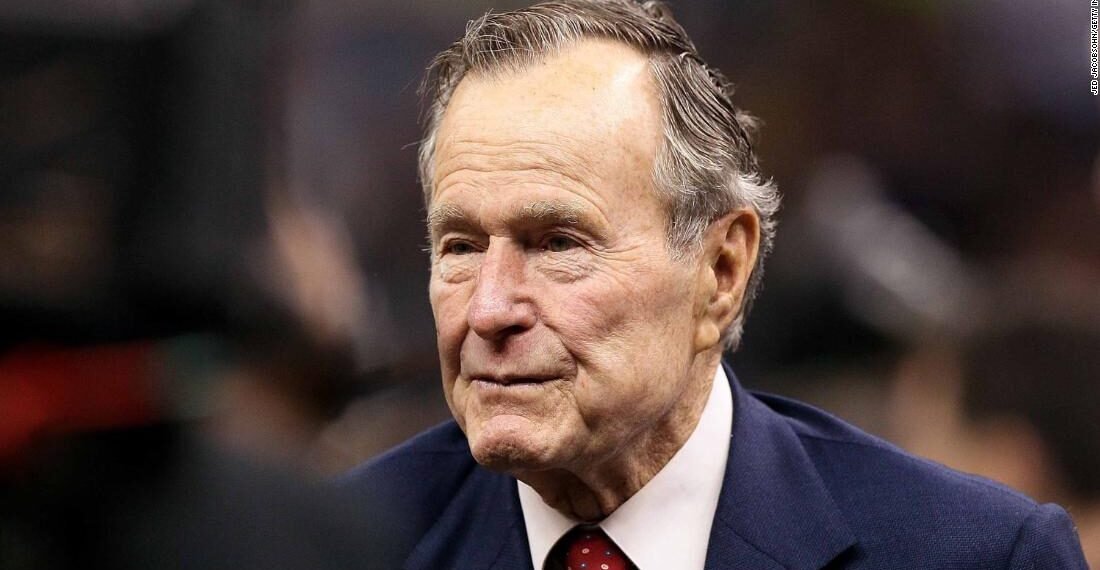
(514, 379)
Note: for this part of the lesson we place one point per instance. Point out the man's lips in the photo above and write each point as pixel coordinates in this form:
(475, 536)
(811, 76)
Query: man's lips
(513, 379)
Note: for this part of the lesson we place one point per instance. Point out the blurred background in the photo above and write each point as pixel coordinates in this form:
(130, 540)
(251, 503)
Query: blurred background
(232, 186)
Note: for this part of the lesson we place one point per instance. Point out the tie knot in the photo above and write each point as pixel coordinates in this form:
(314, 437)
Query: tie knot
(588, 548)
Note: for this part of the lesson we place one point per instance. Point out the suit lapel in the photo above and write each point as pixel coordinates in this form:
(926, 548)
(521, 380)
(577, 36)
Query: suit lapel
(481, 529)
(774, 510)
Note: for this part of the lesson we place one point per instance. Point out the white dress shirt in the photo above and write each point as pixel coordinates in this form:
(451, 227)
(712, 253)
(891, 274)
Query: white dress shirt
(666, 524)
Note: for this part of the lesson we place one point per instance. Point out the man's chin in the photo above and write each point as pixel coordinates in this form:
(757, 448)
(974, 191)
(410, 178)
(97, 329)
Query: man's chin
(509, 446)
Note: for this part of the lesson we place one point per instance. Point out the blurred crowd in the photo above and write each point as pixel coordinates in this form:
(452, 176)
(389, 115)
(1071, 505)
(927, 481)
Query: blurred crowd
(209, 219)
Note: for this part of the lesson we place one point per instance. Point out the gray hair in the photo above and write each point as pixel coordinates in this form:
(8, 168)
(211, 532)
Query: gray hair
(705, 166)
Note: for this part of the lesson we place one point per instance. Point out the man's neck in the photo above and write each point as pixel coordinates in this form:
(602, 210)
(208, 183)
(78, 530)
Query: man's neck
(592, 492)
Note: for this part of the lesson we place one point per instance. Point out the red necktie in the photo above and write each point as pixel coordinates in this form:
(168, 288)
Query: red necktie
(590, 549)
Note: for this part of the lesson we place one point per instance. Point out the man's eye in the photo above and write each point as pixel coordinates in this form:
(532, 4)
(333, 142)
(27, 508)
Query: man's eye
(559, 244)
(459, 248)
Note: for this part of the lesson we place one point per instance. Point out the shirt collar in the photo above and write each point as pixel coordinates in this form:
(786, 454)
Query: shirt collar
(666, 524)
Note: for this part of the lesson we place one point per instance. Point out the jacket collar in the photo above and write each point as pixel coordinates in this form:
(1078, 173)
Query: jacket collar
(774, 510)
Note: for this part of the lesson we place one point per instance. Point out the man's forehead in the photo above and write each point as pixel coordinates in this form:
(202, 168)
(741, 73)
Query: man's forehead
(589, 68)
(592, 89)
(584, 122)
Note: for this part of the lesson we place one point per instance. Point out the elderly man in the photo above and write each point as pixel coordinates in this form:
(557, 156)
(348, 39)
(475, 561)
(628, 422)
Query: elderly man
(598, 223)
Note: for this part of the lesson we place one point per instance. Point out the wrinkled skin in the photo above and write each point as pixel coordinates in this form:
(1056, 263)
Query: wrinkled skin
(576, 352)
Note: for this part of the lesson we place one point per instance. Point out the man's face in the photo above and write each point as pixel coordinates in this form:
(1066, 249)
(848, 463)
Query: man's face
(565, 328)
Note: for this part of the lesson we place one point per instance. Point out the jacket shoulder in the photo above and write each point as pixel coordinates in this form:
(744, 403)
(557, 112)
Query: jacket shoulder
(412, 484)
(444, 442)
(847, 455)
(948, 518)
(438, 458)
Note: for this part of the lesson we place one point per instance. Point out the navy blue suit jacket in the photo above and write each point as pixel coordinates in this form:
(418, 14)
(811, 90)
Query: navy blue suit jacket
(803, 490)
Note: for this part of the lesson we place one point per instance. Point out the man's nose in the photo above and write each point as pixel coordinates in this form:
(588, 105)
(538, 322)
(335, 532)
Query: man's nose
(501, 305)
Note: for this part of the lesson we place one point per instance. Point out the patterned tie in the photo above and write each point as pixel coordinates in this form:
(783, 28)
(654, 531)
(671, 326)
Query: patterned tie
(588, 548)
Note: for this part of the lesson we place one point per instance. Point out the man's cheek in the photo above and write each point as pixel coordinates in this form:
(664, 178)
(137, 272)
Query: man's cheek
(455, 271)
(449, 310)
(594, 318)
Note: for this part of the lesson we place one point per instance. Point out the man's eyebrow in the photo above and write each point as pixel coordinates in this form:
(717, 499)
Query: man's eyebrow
(548, 211)
(447, 215)
(540, 212)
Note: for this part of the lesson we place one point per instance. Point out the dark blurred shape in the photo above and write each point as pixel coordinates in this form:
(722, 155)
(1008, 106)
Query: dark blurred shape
(896, 275)
(133, 168)
(1048, 375)
(74, 390)
(145, 279)
(141, 168)
(155, 497)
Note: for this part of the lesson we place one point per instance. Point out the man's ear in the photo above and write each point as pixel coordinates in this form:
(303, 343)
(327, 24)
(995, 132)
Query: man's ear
(730, 247)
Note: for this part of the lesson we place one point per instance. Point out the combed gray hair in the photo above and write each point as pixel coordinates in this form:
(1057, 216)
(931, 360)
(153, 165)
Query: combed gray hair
(705, 166)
